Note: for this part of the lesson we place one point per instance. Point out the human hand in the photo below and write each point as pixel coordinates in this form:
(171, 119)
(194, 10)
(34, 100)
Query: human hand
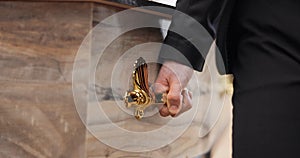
(173, 78)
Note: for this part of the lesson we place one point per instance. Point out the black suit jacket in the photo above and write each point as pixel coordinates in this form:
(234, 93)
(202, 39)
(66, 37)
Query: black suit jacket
(214, 15)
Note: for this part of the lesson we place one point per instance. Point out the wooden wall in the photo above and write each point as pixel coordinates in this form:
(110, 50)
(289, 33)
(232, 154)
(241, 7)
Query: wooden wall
(38, 43)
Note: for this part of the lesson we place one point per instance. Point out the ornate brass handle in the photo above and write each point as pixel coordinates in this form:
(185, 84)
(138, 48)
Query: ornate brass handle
(140, 96)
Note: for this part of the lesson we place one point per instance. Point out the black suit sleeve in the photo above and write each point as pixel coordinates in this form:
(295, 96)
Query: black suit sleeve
(206, 12)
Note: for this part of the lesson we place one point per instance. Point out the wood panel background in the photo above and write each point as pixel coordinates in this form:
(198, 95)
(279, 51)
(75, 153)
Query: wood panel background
(38, 44)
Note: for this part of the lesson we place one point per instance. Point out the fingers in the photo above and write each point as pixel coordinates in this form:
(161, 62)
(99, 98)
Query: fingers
(185, 105)
(174, 99)
(163, 110)
(168, 82)
(171, 79)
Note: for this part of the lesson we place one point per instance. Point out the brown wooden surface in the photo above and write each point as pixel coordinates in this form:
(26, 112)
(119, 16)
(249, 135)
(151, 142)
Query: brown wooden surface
(38, 43)
(104, 2)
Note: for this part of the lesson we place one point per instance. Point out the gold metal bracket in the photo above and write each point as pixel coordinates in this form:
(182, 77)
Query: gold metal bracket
(140, 97)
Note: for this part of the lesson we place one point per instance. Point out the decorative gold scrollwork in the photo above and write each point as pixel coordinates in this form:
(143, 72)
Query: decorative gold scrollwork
(140, 96)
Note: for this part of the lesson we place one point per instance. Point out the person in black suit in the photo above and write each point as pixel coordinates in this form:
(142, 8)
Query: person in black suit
(260, 44)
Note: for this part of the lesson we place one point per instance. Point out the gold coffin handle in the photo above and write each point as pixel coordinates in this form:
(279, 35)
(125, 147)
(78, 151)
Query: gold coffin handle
(140, 97)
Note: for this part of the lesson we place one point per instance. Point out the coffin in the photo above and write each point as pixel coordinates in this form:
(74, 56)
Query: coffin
(39, 46)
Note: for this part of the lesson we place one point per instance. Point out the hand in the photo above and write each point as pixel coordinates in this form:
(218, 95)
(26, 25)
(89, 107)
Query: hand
(173, 78)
